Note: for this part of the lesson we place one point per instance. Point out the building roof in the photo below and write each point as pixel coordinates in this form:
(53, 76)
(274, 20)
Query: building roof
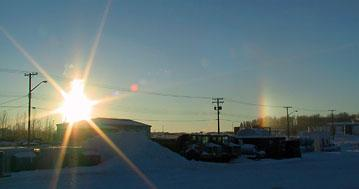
(122, 122)
(112, 122)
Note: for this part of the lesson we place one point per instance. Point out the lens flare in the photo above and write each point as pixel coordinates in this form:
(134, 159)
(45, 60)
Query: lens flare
(76, 105)
(134, 87)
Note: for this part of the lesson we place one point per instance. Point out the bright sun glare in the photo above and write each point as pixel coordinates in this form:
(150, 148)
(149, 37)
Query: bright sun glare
(76, 106)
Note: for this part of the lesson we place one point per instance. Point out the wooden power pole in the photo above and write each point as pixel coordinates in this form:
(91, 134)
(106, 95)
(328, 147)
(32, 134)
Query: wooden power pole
(332, 128)
(30, 75)
(288, 129)
(218, 108)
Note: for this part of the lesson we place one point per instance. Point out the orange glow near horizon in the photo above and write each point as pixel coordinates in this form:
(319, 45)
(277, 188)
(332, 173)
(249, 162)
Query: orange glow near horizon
(263, 111)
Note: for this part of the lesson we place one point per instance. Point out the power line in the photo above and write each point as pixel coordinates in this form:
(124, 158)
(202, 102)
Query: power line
(309, 109)
(274, 106)
(12, 100)
(238, 115)
(174, 120)
(252, 104)
(112, 87)
(230, 120)
(150, 92)
(145, 110)
(15, 71)
(8, 96)
(13, 106)
(106, 86)
(122, 89)
(41, 108)
(158, 111)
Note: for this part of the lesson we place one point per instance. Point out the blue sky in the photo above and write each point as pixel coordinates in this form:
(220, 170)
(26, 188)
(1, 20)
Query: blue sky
(299, 53)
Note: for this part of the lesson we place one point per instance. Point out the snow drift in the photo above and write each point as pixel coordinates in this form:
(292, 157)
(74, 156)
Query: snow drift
(138, 148)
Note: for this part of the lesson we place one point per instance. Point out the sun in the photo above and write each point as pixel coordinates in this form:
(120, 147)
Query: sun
(76, 106)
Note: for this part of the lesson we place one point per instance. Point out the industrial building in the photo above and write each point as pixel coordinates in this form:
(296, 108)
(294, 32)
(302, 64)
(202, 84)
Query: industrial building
(82, 130)
(346, 128)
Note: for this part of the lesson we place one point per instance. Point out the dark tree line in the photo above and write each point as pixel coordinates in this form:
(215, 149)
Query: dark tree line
(300, 123)
(14, 128)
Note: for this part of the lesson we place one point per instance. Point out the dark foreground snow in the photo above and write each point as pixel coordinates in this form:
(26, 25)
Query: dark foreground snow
(168, 170)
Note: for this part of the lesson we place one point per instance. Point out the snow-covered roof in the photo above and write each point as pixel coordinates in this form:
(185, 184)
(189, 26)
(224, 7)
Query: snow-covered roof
(112, 122)
(122, 122)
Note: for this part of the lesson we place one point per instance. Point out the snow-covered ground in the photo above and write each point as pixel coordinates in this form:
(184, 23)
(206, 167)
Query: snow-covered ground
(169, 170)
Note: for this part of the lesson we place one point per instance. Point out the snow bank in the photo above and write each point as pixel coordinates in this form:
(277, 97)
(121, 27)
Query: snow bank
(310, 171)
(348, 142)
(138, 148)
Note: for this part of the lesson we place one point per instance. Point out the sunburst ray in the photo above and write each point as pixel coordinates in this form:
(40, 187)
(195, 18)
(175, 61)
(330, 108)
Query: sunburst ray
(120, 154)
(96, 42)
(27, 55)
(60, 160)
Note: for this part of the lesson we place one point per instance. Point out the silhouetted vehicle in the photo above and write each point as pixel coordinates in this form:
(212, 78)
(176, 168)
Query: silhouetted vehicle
(209, 147)
(224, 148)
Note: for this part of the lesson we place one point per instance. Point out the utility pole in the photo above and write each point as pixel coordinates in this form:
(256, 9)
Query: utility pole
(288, 131)
(333, 129)
(30, 75)
(33, 124)
(218, 108)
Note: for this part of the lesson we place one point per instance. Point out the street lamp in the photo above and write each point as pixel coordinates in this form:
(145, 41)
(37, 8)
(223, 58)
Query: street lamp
(29, 107)
(295, 111)
(38, 85)
(287, 108)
